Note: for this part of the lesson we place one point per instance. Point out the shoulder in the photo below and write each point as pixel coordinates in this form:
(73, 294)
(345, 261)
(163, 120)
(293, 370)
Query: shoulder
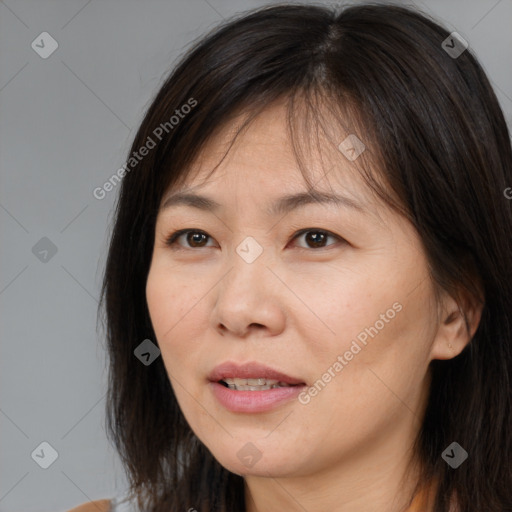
(94, 506)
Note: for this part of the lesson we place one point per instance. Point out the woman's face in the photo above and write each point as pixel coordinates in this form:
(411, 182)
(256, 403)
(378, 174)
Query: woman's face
(346, 309)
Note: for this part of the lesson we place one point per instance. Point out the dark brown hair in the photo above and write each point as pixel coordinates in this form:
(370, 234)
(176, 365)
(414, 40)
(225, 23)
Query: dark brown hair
(440, 152)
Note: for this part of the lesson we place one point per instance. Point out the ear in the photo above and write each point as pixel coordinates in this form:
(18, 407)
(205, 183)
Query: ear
(453, 335)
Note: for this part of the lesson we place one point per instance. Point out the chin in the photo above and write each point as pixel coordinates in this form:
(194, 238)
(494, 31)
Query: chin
(246, 459)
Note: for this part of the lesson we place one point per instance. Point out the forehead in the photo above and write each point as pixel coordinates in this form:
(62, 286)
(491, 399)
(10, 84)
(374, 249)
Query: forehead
(263, 154)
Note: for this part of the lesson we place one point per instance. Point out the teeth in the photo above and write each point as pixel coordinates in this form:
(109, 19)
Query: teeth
(251, 382)
(259, 384)
(251, 388)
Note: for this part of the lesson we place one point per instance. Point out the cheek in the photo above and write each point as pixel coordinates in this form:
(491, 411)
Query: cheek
(342, 306)
(380, 319)
(385, 358)
(174, 304)
(170, 294)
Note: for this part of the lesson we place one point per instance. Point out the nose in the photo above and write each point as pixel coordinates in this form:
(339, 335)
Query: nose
(249, 299)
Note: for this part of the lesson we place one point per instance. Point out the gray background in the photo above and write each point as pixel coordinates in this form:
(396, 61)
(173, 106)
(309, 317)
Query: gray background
(66, 125)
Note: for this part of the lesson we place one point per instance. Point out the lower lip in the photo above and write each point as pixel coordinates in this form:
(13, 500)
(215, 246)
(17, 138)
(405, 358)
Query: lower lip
(253, 401)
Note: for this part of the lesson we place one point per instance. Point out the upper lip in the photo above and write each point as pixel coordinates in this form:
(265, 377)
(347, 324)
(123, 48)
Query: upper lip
(250, 370)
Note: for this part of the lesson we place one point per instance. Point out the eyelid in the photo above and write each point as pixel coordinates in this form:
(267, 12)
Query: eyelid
(173, 237)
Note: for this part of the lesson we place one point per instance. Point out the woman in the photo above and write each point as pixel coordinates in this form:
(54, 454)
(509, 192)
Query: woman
(309, 283)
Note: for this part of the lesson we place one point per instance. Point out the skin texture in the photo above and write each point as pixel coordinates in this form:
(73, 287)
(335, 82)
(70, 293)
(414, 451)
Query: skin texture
(296, 308)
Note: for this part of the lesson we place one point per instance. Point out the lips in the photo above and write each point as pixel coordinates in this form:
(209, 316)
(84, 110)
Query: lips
(250, 399)
(251, 370)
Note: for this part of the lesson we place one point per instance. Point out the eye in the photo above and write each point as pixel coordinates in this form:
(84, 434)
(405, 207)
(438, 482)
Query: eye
(194, 237)
(316, 237)
(197, 239)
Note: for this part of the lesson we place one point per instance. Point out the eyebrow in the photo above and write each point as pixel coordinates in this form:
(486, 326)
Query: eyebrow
(281, 206)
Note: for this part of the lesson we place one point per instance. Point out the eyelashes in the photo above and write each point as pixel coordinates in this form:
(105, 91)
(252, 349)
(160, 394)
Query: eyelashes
(198, 236)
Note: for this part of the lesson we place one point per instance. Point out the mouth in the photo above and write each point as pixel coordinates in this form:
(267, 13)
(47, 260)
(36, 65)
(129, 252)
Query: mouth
(251, 375)
(252, 387)
(258, 384)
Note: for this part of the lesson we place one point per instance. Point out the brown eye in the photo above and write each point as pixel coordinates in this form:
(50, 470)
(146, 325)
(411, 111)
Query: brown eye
(315, 238)
(195, 239)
